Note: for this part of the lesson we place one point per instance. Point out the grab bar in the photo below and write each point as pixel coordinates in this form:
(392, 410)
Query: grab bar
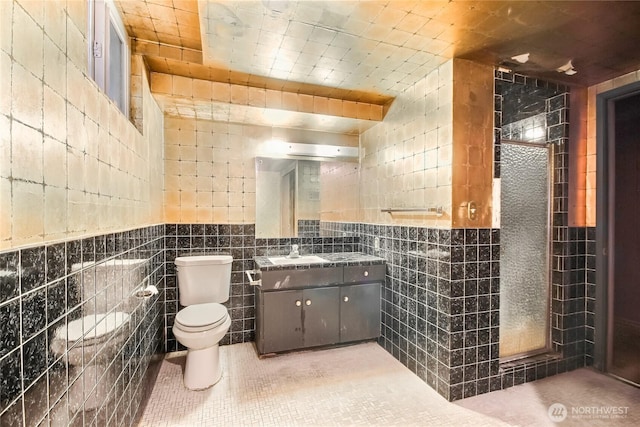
(438, 210)
(252, 282)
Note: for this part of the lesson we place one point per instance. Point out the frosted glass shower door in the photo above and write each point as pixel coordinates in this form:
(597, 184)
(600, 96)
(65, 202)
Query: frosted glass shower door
(524, 248)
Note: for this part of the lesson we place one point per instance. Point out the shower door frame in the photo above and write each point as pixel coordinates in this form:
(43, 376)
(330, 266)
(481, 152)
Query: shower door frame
(550, 197)
(605, 185)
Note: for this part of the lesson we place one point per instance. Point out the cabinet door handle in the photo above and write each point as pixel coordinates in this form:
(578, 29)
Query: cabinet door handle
(298, 303)
(346, 299)
(308, 302)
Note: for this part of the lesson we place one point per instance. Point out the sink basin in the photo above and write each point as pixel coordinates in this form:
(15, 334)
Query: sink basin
(304, 259)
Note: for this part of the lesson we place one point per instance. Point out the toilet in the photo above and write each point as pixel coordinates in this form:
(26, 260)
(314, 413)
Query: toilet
(89, 344)
(203, 282)
(102, 329)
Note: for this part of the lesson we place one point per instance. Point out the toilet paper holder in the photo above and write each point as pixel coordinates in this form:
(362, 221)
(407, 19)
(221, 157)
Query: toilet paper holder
(147, 292)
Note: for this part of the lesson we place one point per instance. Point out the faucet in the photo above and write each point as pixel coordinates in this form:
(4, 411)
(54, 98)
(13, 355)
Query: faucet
(294, 252)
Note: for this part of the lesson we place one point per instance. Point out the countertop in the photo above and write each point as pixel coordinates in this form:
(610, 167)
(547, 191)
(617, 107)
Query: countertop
(334, 259)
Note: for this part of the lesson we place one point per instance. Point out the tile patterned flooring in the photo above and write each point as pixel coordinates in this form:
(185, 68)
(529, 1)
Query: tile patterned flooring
(364, 385)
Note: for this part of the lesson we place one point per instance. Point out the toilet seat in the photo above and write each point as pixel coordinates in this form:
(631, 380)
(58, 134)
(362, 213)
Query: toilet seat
(99, 327)
(201, 317)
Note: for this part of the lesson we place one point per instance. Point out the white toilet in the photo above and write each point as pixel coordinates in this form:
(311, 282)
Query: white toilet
(89, 344)
(204, 283)
(106, 328)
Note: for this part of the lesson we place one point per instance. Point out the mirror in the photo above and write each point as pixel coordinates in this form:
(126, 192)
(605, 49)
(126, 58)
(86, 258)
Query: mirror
(288, 195)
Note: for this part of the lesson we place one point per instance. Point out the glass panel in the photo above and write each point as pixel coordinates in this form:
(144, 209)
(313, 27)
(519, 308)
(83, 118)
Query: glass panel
(288, 201)
(272, 195)
(116, 69)
(524, 249)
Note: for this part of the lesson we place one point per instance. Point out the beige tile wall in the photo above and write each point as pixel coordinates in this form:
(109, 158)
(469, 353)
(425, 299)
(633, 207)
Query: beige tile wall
(71, 163)
(197, 89)
(434, 149)
(153, 131)
(210, 171)
(593, 91)
(136, 100)
(406, 160)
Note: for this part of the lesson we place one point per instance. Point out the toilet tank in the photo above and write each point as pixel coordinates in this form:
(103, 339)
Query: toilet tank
(108, 283)
(203, 279)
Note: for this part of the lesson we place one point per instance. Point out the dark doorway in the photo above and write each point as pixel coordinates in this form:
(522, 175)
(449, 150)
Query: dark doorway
(618, 230)
(625, 342)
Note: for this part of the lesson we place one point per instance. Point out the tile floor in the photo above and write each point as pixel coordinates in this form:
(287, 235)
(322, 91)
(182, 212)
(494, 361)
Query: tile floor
(364, 385)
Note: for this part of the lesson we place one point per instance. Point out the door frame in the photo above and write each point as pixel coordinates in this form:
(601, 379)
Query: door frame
(605, 182)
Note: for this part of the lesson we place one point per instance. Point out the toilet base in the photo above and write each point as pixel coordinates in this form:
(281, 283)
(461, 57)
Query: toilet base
(202, 368)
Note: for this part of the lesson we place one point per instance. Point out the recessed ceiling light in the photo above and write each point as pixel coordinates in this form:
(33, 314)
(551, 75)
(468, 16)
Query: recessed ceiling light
(567, 69)
(522, 58)
(276, 7)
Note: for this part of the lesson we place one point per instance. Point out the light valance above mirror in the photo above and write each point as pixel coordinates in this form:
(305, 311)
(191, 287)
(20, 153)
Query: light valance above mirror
(277, 148)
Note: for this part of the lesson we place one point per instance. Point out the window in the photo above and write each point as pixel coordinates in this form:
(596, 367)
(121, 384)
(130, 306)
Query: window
(109, 58)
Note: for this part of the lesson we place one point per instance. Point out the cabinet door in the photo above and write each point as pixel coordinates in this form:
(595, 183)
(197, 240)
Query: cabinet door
(321, 316)
(282, 321)
(359, 312)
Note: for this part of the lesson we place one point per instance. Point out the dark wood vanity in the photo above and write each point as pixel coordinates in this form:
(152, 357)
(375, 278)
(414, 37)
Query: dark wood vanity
(310, 305)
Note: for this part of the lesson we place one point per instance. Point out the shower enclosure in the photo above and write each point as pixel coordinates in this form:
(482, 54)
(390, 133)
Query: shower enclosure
(525, 248)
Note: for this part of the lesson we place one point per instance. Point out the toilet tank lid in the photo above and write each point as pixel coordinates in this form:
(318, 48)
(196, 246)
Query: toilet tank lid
(204, 260)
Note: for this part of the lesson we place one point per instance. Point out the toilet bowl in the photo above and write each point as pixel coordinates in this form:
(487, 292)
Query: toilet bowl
(100, 337)
(200, 328)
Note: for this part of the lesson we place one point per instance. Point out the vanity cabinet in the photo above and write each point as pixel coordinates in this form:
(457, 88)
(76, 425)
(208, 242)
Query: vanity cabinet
(300, 318)
(359, 312)
(305, 308)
